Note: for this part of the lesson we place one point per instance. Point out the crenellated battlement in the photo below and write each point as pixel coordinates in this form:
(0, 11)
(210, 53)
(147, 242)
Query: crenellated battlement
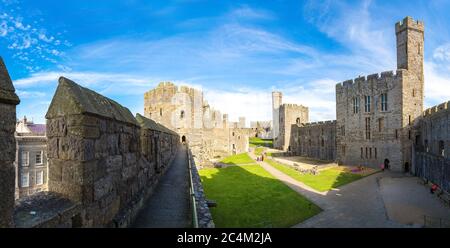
(165, 84)
(293, 105)
(383, 76)
(409, 23)
(443, 107)
(319, 123)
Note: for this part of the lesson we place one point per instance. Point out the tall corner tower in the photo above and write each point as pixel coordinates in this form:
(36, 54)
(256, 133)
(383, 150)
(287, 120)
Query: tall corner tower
(277, 98)
(410, 46)
(410, 54)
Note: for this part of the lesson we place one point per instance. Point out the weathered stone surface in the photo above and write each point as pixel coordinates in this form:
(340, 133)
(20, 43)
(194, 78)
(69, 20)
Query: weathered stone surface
(315, 140)
(8, 102)
(369, 137)
(84, 131)
(96, 160)
(184, 110)
(288, 115)
(7, 91)
(51, 210)
(72, 99)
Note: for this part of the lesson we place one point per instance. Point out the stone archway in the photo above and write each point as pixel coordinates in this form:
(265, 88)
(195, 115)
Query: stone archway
(183, 139)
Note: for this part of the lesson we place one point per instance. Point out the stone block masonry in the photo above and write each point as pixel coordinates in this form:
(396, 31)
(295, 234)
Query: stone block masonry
(103, 162)
(315, 140)
(8, 102)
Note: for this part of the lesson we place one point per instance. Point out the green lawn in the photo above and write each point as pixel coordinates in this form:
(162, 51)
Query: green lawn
(325, 180)
(242, 158)
(248, 196)
(259, 150)
(253, 141)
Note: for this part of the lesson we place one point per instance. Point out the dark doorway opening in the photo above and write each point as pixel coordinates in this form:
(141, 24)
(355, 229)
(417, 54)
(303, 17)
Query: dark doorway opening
(407, 167)
(183, 139)
(386, 163)
(77, 222)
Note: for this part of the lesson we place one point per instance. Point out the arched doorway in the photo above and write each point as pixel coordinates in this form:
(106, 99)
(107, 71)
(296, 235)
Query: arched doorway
(183, 139)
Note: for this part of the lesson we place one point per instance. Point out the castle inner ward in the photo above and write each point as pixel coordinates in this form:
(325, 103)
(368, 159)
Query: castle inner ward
(104, 162)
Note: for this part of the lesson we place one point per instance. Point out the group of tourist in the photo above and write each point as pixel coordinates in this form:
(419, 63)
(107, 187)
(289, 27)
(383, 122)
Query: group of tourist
(260, 158)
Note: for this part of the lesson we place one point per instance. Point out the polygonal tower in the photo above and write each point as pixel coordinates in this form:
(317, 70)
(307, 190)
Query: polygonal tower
(277, 98)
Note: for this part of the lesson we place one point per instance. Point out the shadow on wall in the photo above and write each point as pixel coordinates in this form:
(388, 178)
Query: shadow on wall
(248, 196)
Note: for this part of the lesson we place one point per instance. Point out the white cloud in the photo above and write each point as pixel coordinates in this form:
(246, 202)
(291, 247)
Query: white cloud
(18, 36)
(437, 84)
(352, 25)
(250, 13)
(442, 53)
(30, 94)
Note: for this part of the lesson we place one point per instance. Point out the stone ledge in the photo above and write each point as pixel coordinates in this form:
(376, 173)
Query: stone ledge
(45, 209)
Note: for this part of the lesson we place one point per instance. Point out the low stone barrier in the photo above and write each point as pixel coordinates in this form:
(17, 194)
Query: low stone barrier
(204, 216)
(103, 162)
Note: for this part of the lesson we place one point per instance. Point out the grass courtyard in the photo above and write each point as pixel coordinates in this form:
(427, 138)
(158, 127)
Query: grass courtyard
(254, 142)
(248, 196)
(324, 181)
(259, 151)
(237, 159)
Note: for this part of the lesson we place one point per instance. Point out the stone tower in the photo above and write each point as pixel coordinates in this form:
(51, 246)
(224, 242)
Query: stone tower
(276, 103)
(376, 114)
(410, 54)
(410, 45)
(241, 123)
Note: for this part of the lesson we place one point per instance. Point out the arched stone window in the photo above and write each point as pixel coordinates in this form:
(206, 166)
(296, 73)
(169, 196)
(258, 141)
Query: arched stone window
(182, 114)
(298, 121)
(160, 112)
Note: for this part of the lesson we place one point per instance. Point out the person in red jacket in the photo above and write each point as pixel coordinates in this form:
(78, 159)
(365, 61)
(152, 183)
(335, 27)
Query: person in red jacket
(434, 187)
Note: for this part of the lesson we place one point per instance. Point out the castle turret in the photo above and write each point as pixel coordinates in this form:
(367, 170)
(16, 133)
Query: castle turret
(410, 44)
(276, 103)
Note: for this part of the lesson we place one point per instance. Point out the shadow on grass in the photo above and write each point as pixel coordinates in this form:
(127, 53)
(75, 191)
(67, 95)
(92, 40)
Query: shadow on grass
(248, 196)
(255, 142)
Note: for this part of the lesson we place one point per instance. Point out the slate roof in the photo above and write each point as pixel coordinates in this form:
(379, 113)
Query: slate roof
(37, 128)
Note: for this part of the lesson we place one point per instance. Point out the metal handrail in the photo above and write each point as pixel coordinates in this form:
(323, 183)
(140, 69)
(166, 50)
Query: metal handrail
(191, 191)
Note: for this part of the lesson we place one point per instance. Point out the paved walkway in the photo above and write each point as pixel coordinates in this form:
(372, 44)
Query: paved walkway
(385, 199)
(407, 200)
(169, 205)
(357, 204)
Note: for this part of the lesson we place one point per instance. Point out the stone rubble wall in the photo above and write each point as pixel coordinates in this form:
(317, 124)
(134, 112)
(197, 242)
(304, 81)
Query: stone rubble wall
(204, 216)
(289, 114)
(433, 168)
(8, 102)
(7, 157)
(315, 140)
(100, 159)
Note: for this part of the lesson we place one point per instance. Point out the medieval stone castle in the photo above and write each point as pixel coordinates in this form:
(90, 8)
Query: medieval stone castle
(379, 118)
(183, 109)
(103, 162)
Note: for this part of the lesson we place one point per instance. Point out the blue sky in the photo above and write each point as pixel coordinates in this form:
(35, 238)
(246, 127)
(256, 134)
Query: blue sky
(236, 51)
